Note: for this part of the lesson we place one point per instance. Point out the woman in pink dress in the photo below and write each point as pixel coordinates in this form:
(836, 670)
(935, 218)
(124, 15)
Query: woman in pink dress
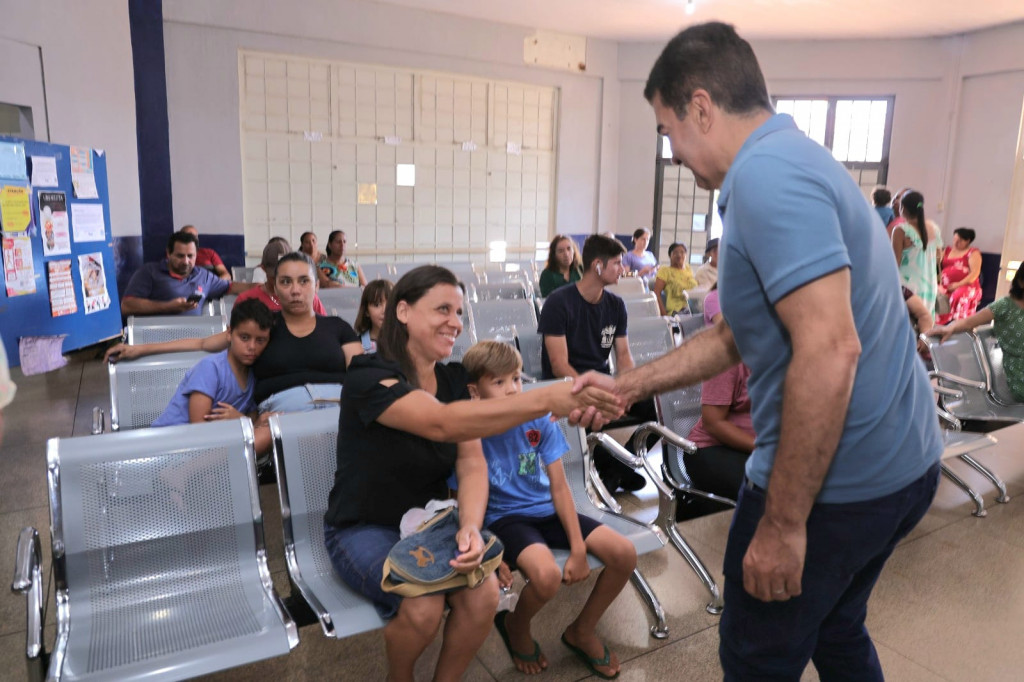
(961, 266)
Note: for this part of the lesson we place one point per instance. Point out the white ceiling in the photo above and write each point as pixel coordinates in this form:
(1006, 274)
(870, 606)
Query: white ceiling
(642, 20)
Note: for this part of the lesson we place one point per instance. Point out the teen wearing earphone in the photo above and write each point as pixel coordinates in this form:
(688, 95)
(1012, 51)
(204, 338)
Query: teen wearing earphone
(582, 324)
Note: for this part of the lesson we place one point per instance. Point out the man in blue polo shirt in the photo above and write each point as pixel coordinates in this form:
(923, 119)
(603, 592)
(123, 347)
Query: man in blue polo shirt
(175, 286)
(846, 459)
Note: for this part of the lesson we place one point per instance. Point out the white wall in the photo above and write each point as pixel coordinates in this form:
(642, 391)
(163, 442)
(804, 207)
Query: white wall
(202, 42)
(89, 86)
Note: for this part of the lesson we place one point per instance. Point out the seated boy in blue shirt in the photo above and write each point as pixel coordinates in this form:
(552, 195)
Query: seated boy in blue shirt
(530, 508)
(221, 385)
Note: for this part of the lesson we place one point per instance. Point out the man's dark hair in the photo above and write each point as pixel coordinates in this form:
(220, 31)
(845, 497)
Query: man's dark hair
(599, 247)
(711, 56)
(252, 309)
(881, 197)
(181, 238)
(966, 233)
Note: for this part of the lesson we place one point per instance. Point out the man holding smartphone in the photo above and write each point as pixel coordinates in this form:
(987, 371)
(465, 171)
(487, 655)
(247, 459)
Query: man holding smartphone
(175, 286)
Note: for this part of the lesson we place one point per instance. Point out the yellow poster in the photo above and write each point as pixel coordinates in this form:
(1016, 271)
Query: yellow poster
(15, 214)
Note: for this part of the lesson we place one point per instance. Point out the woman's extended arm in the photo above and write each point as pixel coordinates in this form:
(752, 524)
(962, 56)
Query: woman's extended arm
(211, 344)
(983, 316)
(422, 414)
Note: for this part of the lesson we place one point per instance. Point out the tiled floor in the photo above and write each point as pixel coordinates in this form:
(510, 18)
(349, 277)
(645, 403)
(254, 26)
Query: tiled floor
(948, 606)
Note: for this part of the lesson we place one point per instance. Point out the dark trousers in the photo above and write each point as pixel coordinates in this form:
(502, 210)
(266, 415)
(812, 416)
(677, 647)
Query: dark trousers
(714, 469)
(611, 470)
(847, 546)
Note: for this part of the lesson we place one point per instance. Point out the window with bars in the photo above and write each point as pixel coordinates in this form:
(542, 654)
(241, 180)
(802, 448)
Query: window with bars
(404, 161)
(856, 130)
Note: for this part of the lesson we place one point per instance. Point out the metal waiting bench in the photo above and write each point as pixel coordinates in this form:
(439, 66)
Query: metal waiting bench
(979, 390)
(158, 557)
(141, 389)
(160, 328)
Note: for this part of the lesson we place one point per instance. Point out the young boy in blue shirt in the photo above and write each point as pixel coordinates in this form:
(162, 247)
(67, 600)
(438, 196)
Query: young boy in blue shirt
(221, 385)
(530, 508)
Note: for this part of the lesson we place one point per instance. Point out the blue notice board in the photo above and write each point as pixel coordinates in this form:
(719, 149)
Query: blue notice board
(32, 314)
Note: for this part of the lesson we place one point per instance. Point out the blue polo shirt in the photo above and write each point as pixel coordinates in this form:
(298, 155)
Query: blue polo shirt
(791, 215)
(155, 282)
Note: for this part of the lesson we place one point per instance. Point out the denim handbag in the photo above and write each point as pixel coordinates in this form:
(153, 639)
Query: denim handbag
(418, 564)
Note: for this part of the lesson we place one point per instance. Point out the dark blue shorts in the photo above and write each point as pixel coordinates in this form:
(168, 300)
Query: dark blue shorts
(357, 554)
(519, 532)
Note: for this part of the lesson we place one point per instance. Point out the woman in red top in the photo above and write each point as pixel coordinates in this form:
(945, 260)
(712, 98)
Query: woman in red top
(272, 252)
(961, 266)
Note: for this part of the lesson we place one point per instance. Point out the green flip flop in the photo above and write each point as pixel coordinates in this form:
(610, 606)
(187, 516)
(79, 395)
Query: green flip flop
(499, 624)
(592, 663)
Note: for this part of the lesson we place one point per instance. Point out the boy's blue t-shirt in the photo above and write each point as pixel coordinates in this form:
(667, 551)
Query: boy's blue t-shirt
(211, 376)
(515, 469)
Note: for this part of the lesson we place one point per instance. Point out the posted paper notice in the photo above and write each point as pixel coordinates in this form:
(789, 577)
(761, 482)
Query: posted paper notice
(82, 177)
(12, 160)
(62, 288)
(19, 271)
(53, 221)
(44, 171)
(15, 210)
(87, 222)
(94, 282)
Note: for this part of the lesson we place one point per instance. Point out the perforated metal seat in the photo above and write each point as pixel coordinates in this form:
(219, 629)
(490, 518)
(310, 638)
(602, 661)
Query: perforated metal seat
(961, 445)
(341, 297)
(642, 306)
(500, 314)
(305, 459)
(242, 274)
(628, 287)
(141, 389)
(962, 363)
(645, 537)
(161, 328)
(374, 271)
(690, 324)
(649, 339)
(518, 288)
(999, 386)
(158, 555)
(531, 345)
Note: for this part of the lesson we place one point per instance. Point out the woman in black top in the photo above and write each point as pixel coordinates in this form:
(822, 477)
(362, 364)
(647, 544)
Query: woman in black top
(405, 423)
(304, 364)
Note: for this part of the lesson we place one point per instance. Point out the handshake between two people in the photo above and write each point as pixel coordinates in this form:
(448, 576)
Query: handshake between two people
(591, 400)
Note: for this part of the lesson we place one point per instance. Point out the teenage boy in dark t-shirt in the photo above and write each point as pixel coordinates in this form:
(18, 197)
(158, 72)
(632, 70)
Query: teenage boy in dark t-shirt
(581, 324)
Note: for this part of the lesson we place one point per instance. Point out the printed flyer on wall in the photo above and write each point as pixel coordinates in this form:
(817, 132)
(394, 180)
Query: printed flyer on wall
(53, 221)
(19, 273)
(82, 177)
(94, 282)
(62, 288)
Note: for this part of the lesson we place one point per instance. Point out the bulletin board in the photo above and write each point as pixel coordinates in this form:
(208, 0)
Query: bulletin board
(58, 255)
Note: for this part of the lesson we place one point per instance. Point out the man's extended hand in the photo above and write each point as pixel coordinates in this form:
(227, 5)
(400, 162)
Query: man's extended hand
(590, 417)
(774, 563)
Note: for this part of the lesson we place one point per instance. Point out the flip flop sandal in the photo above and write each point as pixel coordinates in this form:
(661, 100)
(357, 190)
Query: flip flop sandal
(593, 663)
(499, 624)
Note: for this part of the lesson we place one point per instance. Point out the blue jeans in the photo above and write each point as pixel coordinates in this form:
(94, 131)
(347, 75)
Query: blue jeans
(357, 555)
(847, 546)
(305, 398)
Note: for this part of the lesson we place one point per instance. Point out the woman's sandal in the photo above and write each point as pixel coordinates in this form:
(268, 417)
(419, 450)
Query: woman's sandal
(499, 624)
(593, 663)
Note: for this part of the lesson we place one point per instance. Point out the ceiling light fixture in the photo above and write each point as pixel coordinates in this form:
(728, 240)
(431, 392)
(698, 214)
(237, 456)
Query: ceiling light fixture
(691, 6)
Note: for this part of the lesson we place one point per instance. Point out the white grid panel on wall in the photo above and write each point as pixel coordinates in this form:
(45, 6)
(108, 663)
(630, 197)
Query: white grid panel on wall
(315, 133)
(681, 202)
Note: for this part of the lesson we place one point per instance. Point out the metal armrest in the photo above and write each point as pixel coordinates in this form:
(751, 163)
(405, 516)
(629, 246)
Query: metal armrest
(954, 379)
(949, 418)
(28, 580)
(948, 392)
(639, 460)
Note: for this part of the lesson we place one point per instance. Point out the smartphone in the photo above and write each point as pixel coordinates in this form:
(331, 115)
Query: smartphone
(194, 298)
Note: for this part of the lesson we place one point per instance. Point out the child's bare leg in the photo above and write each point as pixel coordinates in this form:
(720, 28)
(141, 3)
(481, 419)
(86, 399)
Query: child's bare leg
(545, 577)
(619, 558)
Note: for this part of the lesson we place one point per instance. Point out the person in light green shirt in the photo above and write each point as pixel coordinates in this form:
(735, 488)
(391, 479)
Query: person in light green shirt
(564, 265)
(1007, 313)
(674, 279)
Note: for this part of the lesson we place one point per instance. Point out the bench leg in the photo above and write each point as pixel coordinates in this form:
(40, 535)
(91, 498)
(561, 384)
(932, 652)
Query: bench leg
(990, 475)
(714, 607)
(979, 504)
(604, 496)
(660, 629)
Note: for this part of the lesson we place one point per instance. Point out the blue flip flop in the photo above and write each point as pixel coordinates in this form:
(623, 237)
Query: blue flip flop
(590, 662)
(499, 624)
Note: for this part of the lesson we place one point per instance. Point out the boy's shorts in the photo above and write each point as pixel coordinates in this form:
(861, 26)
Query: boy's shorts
(518, 532)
